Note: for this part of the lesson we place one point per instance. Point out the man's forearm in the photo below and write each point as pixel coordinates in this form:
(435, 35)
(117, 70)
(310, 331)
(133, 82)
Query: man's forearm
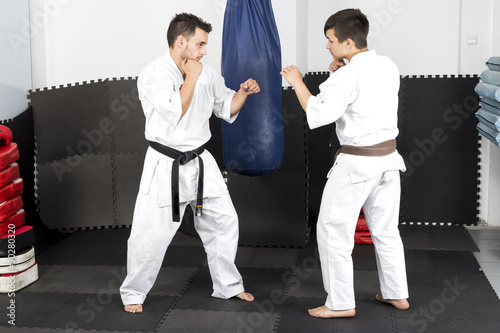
(237, 102)
(303, 94)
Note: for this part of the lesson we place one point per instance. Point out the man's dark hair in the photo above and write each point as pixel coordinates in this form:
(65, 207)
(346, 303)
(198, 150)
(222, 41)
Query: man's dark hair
(185, 24)
(349, 23)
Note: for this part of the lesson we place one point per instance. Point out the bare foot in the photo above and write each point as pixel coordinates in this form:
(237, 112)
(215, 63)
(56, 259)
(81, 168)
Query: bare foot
(400, 304)
(133, 308)
(245, 296)
(324, 312)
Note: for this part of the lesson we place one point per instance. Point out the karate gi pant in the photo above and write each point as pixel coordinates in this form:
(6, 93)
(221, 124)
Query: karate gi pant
(340, 208)
(153, 230)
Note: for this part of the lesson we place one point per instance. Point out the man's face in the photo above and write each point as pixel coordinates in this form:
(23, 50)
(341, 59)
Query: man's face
(194, 48)
(337, 49)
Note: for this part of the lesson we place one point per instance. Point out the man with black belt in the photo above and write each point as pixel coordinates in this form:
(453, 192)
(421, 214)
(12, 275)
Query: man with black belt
(178, 95)
(362, 99)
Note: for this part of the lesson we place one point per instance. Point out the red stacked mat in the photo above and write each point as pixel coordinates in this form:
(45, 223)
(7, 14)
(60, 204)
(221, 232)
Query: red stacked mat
(362, 234)
(17, 255)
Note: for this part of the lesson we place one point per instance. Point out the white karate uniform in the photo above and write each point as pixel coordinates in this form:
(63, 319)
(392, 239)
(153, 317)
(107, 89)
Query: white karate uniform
(362, 99)
(152, 227)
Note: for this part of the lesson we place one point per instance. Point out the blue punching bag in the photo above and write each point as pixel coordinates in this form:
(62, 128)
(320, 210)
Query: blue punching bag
(253, 144)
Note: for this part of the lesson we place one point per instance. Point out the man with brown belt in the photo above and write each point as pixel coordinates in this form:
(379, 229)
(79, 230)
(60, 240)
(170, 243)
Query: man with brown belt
(362, 99)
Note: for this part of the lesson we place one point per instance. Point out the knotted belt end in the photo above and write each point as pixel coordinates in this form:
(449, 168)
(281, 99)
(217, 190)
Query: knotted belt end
(199, 210)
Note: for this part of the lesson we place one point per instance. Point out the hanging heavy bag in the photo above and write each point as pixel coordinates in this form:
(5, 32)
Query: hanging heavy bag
(253, 144)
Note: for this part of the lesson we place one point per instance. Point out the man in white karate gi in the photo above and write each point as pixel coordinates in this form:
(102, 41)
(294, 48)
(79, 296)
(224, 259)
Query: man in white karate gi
(362, 99)
(178, 95)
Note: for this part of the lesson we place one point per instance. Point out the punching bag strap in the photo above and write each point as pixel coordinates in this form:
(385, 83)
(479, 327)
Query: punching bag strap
(380, 149)
(181, 158)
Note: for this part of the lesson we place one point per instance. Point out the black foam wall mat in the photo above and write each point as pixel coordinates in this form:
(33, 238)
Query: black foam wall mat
(271, 208)
(321, 151)
(82, 197)
(90, 151)
(126, 115)
(438, 141)
(72, 117)
(440, 110)
(322, 143)
(71, 120)
(440, 146)
(127, 179)
(294, 127)
(442, 189)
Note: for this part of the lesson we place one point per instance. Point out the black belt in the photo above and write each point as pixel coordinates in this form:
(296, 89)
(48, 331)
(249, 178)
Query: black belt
(181, 158)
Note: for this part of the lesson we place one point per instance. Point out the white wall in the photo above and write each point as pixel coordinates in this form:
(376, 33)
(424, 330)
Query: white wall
(476, 35)
(496, 27)
(292, 28)
(15, 62)
(84, 40)
(292, 23)
(493, 186)
(420, 36)
(424, 37)
(90, 39)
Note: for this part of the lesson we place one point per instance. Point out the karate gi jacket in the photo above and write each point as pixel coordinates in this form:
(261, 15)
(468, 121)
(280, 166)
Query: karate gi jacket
(362, 99)
(159, 87)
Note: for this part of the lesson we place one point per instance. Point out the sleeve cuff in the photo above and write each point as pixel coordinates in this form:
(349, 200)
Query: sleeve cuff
(312, 113)
(226, 110)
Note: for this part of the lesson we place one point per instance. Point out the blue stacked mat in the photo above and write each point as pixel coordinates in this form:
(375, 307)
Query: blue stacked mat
(489, 91)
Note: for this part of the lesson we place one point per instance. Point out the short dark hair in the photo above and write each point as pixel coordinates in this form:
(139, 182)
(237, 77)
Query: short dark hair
(349, 23)
(185, 24)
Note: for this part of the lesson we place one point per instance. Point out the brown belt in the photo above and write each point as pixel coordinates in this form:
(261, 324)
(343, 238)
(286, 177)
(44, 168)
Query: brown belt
(380, 149)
